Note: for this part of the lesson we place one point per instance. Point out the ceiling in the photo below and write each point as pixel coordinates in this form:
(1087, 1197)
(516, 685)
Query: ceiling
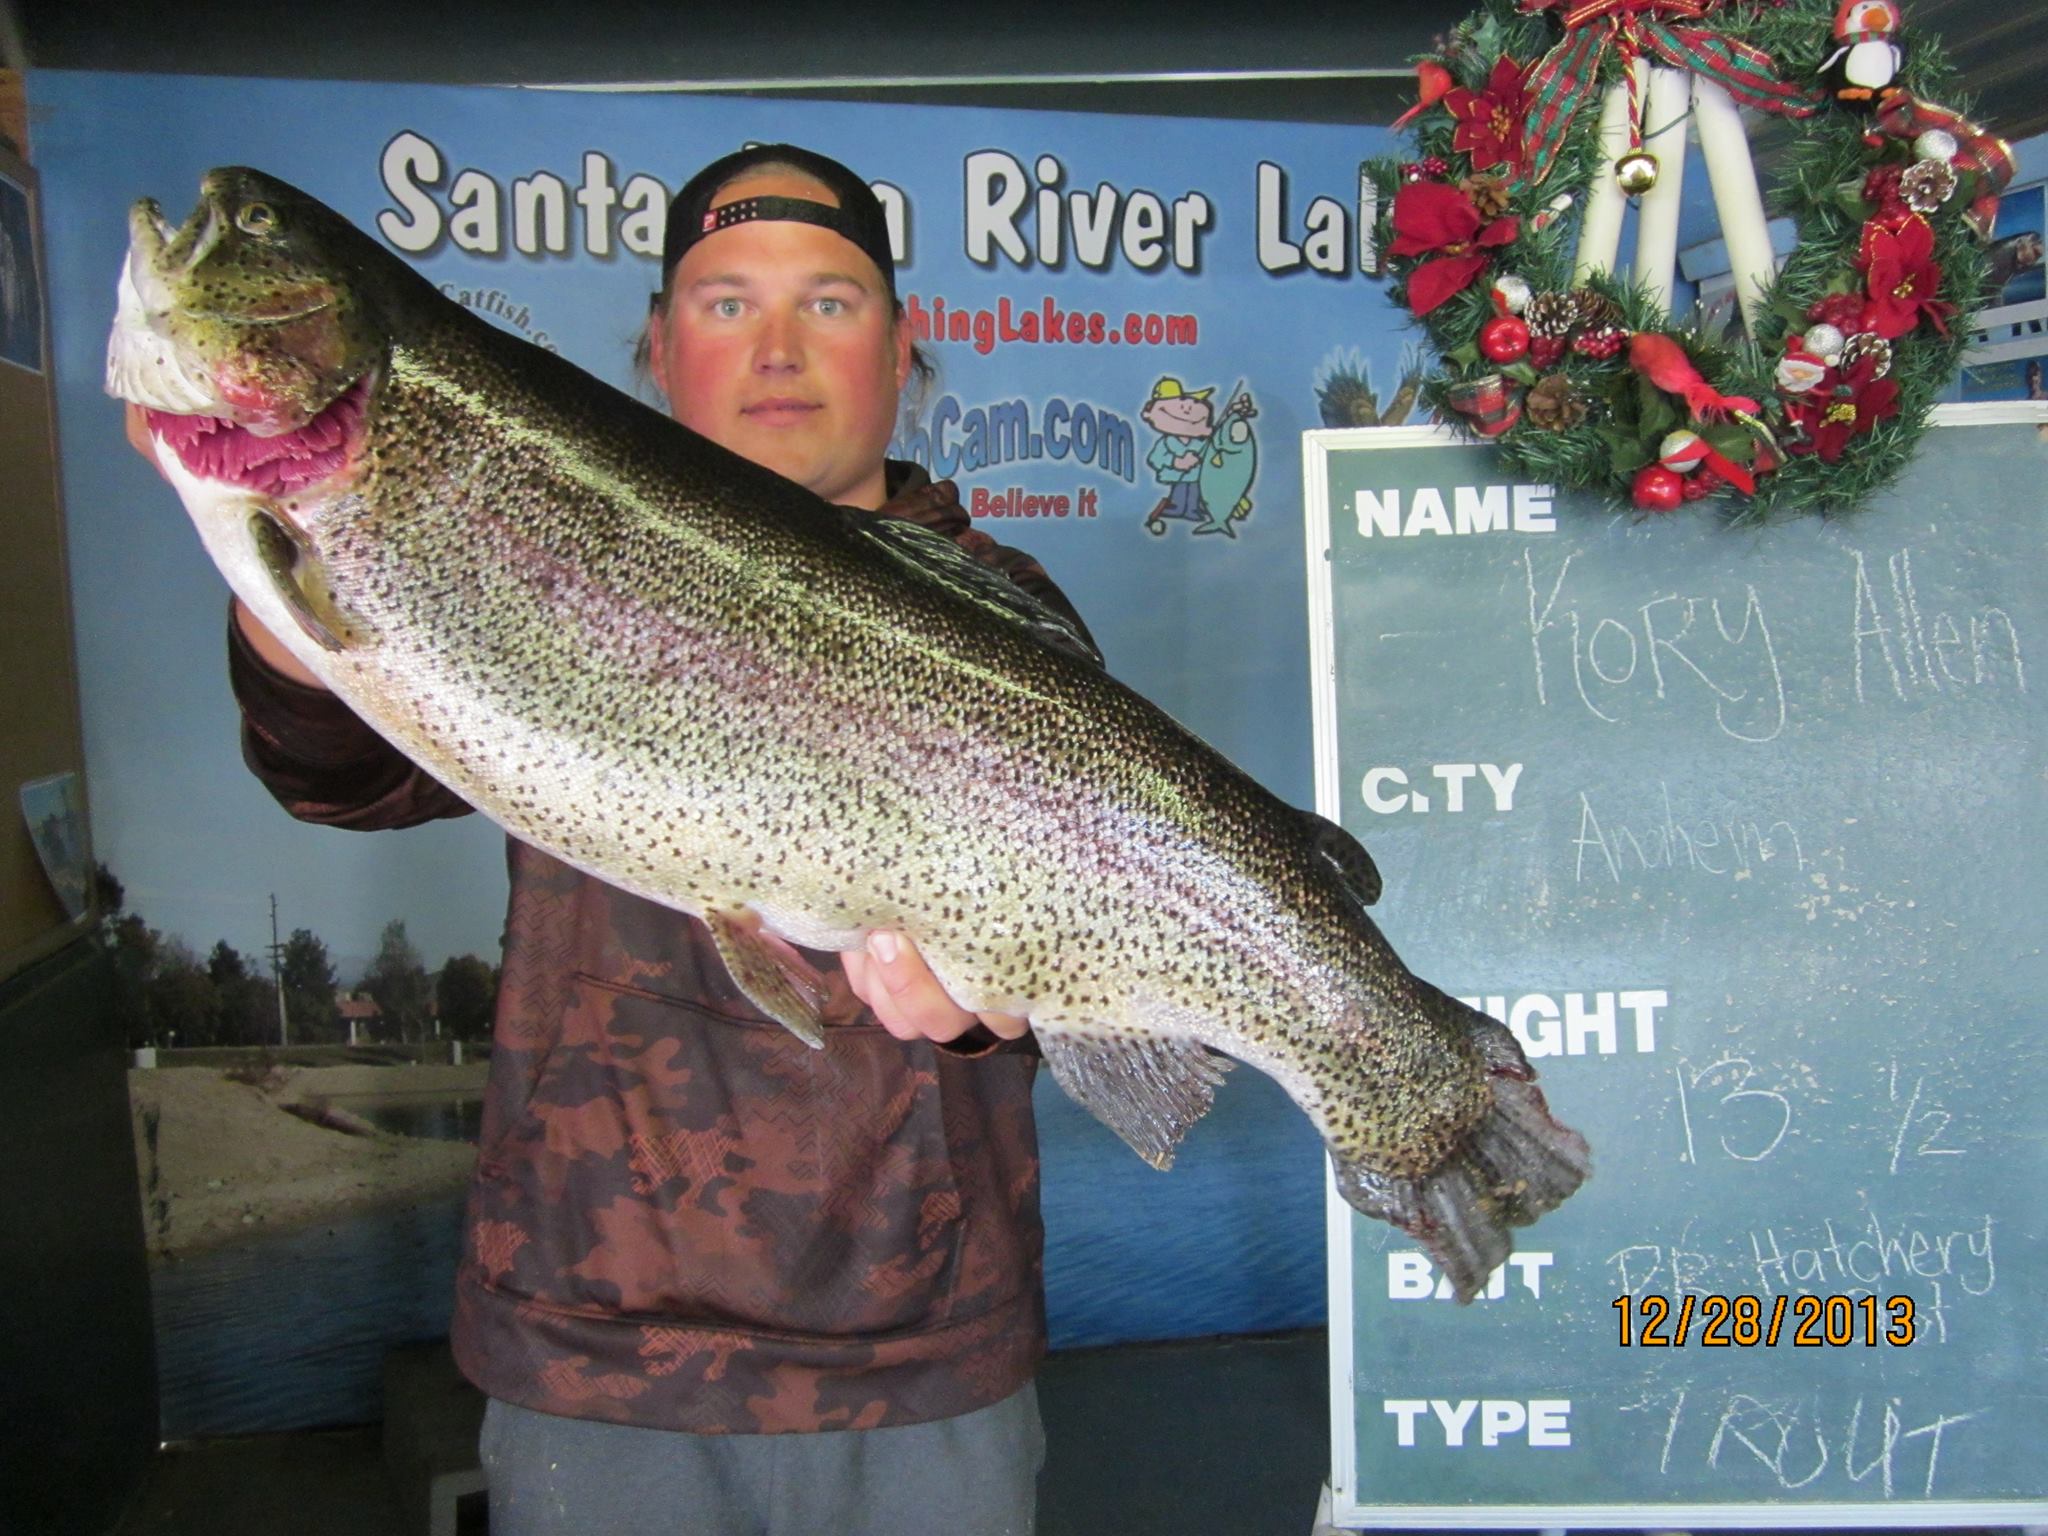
(1329, 63)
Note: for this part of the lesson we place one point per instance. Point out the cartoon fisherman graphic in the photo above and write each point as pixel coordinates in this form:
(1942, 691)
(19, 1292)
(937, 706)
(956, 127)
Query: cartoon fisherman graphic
(1205, 465)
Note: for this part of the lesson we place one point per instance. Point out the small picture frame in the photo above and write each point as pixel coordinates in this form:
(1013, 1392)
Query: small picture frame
(21, 287)
(2009, 344)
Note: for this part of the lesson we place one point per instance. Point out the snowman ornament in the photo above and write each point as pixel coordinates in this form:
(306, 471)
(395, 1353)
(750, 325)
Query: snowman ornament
(1861, 69)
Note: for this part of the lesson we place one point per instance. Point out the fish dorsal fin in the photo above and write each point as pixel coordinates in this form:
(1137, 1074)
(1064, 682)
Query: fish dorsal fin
(1346, 857)
(1146, 1089)
(937, 558)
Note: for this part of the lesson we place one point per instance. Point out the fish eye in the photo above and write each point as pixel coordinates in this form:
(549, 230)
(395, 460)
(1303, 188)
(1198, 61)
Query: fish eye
(256, 219)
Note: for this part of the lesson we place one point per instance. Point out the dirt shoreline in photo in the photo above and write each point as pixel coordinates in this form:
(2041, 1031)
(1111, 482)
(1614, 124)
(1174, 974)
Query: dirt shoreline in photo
(220, 1158)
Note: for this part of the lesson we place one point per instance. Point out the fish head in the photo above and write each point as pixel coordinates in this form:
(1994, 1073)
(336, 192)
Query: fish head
(247, 334)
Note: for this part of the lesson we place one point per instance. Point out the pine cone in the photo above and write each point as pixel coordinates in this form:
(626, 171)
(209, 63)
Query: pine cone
(1553, 405)
(1489, 195)
(1593, 311)
(1549, 314)
(1926, 185)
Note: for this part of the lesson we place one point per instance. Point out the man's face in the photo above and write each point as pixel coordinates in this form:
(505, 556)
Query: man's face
(1182, 416)
(779, 342)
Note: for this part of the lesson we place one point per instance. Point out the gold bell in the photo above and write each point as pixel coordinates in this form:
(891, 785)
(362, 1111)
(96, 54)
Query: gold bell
(1636, 171)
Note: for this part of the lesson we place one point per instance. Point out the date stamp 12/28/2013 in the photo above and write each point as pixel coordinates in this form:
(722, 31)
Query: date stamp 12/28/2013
(1744, 1322)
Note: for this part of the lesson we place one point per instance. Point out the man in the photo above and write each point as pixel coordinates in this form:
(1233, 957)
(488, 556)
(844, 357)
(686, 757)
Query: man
(714, 1281)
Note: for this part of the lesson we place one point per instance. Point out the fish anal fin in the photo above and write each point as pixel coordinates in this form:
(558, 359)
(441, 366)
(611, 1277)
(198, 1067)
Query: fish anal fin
(776, 980)
(1148, 1089)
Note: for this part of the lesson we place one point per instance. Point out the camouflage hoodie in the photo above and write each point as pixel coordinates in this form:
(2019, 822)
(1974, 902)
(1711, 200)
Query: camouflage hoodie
(683, 1218)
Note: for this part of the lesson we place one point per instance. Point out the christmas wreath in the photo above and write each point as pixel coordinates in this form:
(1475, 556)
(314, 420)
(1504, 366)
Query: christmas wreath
(1587, 380)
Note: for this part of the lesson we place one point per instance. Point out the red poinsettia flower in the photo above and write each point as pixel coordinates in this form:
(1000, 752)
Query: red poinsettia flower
(1490, 120)
(1832, 416)
(1435, 216)
(1902, 277)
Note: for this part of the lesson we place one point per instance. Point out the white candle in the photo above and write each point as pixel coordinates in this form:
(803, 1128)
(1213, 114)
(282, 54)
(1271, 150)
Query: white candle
(1657, 214)
(1737, 198)
(1600, 231)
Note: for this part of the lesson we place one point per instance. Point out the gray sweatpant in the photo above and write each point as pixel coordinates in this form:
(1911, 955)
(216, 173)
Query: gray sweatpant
(975, 1475)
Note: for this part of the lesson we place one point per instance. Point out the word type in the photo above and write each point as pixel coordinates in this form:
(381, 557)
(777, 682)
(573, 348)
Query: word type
(1742, 1320)
(1411, 1277)
(1545, 1422)
(1386, 789)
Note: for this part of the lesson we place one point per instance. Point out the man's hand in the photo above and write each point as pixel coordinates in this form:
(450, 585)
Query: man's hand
(139, 438)
(892, 979)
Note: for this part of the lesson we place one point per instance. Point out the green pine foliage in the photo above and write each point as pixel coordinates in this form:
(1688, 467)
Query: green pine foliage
(1818, 185)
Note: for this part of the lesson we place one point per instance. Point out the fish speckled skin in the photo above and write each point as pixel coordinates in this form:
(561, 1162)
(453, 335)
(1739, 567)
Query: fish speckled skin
(695, 680)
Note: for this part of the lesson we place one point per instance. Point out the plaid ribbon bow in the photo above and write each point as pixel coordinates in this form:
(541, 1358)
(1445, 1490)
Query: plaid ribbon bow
(1567, 76)
(1978, 153)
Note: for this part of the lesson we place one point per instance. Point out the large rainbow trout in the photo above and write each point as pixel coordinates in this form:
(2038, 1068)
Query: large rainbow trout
(698, 682)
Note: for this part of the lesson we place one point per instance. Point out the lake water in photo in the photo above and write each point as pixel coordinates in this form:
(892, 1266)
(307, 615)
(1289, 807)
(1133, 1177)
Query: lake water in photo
(288, 1329)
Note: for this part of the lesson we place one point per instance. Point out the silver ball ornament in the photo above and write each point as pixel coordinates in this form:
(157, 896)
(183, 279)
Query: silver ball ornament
(1936, 144)
(1825, 341)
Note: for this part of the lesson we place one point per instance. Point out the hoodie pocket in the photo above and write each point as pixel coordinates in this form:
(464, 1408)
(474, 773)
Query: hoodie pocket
(680, 1164)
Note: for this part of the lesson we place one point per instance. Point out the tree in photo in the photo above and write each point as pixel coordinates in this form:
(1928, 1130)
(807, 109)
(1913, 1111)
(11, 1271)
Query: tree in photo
(182, 1001)
(398, 981)
(308, 977)
(132, 946)
(466, 992)
(245, 1003)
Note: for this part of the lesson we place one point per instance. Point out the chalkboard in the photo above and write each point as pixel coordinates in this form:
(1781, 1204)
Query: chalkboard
(1742, 833)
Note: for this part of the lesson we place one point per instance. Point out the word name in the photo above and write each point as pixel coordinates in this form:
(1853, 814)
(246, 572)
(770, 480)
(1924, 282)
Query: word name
(1473, 509)
(1546, 1421)
(1538, 1025)
(1411, 1277)
(1451, 775)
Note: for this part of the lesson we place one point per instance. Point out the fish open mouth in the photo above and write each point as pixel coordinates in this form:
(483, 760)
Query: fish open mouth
(214, 448)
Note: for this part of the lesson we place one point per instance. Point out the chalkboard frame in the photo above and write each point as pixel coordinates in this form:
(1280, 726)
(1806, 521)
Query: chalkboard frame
(1343, 1508)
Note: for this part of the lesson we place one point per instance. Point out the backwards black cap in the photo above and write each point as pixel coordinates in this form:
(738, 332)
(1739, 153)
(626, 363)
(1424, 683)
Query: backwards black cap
(858, 217)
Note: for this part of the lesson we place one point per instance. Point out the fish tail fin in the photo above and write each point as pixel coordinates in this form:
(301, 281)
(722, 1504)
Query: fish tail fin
(1516, 1163)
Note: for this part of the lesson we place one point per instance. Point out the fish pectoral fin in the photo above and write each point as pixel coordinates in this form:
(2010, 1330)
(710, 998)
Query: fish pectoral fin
(1148, 1089)
(776, 980)
(302, 585)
